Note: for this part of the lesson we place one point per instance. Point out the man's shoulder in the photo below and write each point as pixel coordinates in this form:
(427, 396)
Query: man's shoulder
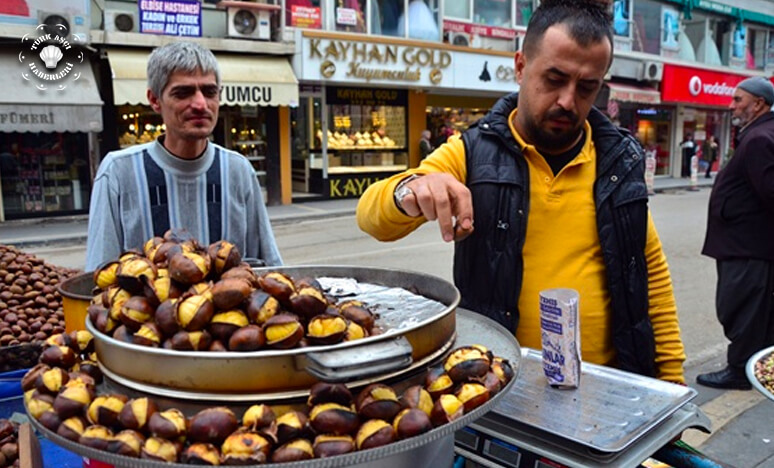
(124, 155)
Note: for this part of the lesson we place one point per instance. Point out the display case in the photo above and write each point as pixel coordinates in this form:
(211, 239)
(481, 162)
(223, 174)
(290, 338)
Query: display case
(138, 125)
(246, 134)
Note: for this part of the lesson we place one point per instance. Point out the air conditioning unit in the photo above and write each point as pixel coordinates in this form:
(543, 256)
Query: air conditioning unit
(248, 23)
(459, 39)
(73, 28)
(123, 21)
(651, 71)
(493, 43)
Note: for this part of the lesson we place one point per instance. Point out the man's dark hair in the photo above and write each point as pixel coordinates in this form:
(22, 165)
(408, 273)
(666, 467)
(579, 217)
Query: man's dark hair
(587, 21)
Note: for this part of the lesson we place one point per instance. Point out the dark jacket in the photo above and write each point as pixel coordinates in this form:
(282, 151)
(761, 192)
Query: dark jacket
(488, 265)
(740, 223)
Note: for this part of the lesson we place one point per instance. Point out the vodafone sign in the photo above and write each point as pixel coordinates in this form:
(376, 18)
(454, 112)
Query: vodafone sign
(697, 86)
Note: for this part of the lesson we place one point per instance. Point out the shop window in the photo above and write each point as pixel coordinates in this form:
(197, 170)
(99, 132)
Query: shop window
(138, 125)
(489, 12)
(391, 18)
(350, 16)
(420, 16)
(306, 14)
(770, 53)
(306, 148)
(44, 173)
(647, 27)
(756, 50)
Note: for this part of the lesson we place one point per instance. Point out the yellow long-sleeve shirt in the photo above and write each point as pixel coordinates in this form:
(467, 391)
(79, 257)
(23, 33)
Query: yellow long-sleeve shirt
(561, 249)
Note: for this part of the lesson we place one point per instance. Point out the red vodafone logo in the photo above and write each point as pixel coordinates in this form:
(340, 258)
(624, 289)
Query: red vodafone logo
(697, 86)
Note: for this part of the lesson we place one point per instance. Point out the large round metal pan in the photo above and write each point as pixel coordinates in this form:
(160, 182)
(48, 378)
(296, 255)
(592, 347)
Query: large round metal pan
(750, 370)
(415, 451)
(229, 375)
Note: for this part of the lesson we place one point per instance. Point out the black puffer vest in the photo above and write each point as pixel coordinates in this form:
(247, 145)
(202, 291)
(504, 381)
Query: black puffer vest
(488, 265)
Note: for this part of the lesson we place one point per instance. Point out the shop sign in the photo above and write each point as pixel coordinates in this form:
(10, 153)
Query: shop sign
(27, 118)
(171, 17)
(696, 86)
(351, 187)
(346, 16)
(484, 72)
(305, 17)
(480, 30)
(257, 95)
(366, 96)
(368, 62)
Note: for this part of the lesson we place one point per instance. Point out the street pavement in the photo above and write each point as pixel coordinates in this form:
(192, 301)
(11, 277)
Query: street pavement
(741, 420)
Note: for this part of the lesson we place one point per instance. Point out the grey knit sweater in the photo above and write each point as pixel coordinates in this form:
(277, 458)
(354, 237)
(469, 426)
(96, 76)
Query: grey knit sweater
(120, 213)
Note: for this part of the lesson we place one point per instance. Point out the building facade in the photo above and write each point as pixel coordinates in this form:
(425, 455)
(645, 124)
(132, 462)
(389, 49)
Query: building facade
(326, 96)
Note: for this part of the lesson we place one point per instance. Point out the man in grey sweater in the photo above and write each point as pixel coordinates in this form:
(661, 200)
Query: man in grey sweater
(181, 180)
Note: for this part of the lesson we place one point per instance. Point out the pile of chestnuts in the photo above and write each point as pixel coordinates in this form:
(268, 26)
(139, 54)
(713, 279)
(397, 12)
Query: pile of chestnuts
(9, 443)
(62, 392)
(30, 305)
(179, 295)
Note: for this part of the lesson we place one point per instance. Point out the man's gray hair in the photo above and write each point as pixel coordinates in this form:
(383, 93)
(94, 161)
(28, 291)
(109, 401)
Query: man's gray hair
(179, 56)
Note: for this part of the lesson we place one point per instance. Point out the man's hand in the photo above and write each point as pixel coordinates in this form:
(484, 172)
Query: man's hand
(440, 196)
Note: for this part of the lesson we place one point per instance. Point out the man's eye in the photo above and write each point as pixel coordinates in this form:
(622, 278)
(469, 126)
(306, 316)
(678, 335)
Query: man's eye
(210, 91)
(182, 92)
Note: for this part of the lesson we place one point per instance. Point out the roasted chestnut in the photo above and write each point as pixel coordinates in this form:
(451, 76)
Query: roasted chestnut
(308, 301)
(194, 312)
(96, 436)
(438, 382)
(295, 450)
(169, 424)
(411, 422)
(123, 334)
(30, 379)
(90, 368)
(81, 341)
(357, 312)
(247, 338)
(354, 332)
(278, 285)
(502, 369)
(148, 335)
(324, 392)
(72, 401)
(105, 276)
(472, 395)
(136, 413)
(104, 409)
(327, 445)
(332, 418)
(258, 417)
(224, 324)
(38, 403)
(261, 307)
(374, 433)
(223, 255)
(466, 363)
(447, 408)
(243, 271)
(291, 425)
(72, 428)
(201, 454)
(191, 341)
(417, 397)
(136, 311)
(491, 382)
(59, 356)
(283, 331)
(212, 425)
(244, 448)
(202, 287)
(161, 289)
(166, 317)
(133, 273)
(229, 293)
(127, 442)
(377, 401)
(156, 448)
(52, 380)
(50, 420)
(189, 267)
(326, 329)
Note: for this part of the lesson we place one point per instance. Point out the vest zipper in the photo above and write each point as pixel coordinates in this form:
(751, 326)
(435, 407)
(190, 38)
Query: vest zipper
(502, 225)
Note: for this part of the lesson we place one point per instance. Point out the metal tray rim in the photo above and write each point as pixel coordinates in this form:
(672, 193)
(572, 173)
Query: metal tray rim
(750, 371)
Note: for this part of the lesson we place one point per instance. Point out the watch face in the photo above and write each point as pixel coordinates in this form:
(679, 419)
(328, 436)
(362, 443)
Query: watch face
(402, 193)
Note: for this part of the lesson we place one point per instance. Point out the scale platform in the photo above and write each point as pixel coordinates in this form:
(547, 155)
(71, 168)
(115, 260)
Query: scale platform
(614, 418)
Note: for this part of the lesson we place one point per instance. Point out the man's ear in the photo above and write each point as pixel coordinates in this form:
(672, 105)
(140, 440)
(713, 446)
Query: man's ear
(519, 62)
(153, 100)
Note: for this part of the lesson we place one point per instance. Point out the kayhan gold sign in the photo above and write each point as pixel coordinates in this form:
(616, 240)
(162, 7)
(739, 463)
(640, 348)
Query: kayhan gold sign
(377, 61)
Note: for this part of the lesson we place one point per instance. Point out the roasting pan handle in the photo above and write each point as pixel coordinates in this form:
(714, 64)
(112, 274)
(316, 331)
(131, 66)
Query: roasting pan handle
(344, 365)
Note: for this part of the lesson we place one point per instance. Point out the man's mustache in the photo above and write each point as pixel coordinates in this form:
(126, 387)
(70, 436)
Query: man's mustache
(562, 114)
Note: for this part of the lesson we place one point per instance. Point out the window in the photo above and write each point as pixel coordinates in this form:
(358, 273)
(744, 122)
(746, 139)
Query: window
(621, 18)
(303, 14)
(492, 12)
(350, 16)
(756, 49)
(647, 27)
(524, 10)
(391, 18)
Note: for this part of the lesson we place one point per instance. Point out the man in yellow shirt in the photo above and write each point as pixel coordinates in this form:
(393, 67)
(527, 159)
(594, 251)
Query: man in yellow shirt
(545, 192)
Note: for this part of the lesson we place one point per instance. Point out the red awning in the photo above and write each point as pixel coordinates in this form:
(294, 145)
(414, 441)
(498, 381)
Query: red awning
(627, 93)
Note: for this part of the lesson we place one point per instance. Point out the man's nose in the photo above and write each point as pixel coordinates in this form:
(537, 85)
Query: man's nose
(566, 99)
(198, 100)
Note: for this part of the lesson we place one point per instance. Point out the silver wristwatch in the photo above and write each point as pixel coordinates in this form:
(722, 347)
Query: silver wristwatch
(402, 191)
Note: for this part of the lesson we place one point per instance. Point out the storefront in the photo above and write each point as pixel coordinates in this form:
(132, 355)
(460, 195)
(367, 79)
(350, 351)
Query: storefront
(639, 110)
(46, 139)
(255, 96)
(364, 105)
(700, 99)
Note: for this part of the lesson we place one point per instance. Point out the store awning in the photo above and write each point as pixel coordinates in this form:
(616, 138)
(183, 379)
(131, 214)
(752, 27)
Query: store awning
(76, 107)
(627, 93)
(246, 80)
